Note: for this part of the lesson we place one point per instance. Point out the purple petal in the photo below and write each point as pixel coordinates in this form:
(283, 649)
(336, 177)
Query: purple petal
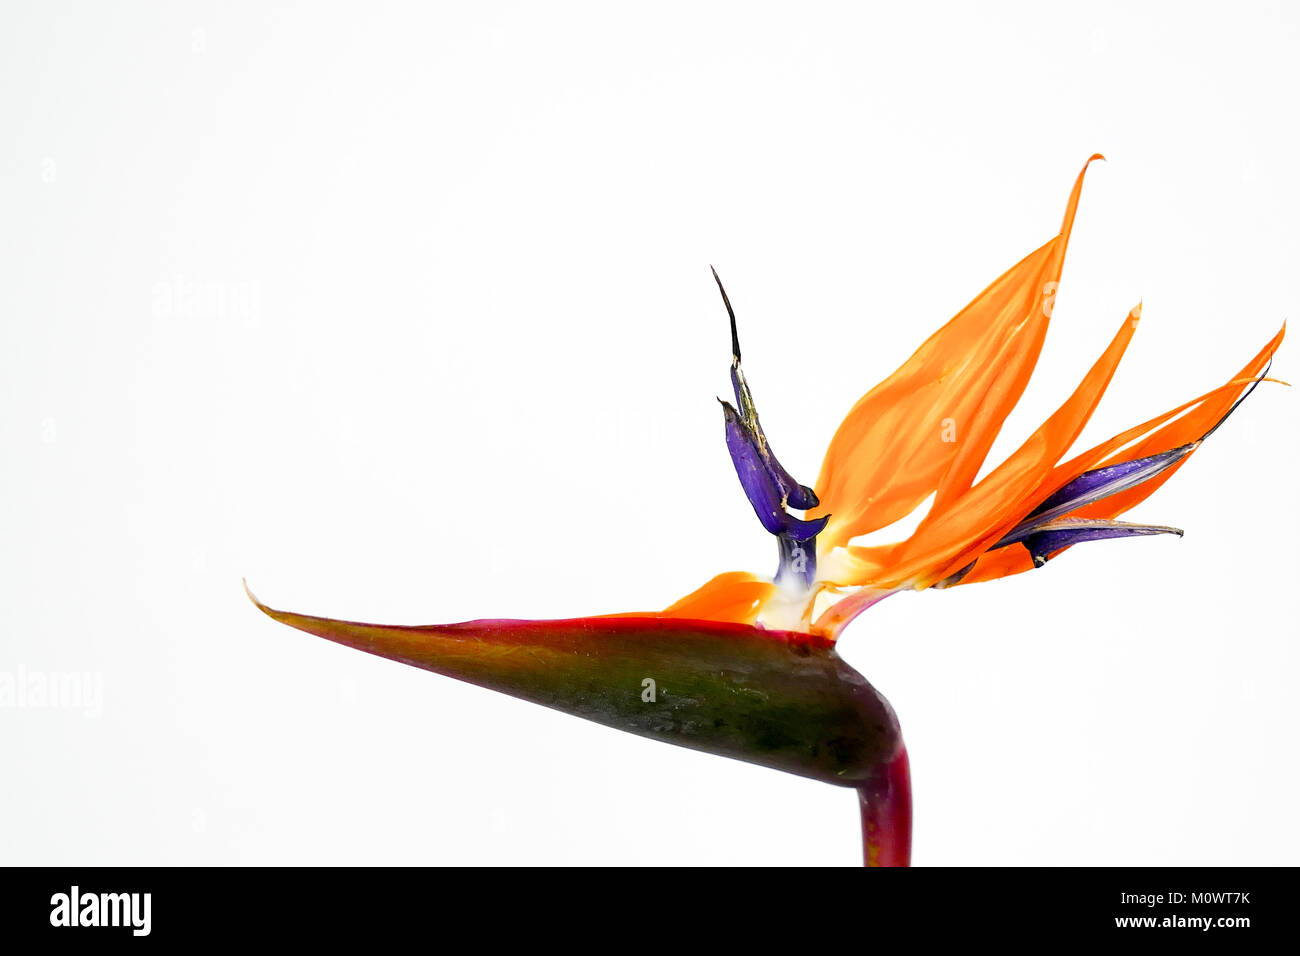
(760, 488)
(768, 486)
(796, 495)
(1093, 486)
(1064, 532)
(1103, 482)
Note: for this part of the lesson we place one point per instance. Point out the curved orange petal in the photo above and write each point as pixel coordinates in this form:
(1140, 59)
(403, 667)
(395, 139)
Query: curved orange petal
(976, 519)
(1188, 428)
(999, 564)
(734, 596)
(1178, 429)
(928, 427)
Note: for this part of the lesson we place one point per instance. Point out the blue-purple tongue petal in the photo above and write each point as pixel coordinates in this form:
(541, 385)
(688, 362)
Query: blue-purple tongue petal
(1093, 486)
(796, 495)
(1052, 536)
(760, 488)
(1048, 528)
(768, 486)
(1103, 482)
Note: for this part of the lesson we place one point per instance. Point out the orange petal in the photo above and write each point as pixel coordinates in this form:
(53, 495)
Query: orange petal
(1188, 428)
(999, 564)
(734, 596)
(1205, 411)
(928, 427)
(975, 520)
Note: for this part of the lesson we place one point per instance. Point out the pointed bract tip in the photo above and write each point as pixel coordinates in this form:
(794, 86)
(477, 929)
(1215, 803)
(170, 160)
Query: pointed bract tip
(257, 603)
(731, 314)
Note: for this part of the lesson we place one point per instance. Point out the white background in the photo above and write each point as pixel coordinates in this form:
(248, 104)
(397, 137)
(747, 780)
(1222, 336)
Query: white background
(404, 313)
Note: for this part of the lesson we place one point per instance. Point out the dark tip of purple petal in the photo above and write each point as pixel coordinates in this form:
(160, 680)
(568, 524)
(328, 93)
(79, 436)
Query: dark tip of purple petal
(735, 339)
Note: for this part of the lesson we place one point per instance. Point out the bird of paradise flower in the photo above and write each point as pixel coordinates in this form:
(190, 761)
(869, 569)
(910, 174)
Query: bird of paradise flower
(745, 666)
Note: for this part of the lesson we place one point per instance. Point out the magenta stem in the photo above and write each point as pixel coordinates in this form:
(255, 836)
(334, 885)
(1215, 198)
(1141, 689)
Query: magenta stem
(887, 815)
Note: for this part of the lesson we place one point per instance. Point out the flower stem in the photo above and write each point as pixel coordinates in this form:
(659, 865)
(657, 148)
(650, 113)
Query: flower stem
(887, 815)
